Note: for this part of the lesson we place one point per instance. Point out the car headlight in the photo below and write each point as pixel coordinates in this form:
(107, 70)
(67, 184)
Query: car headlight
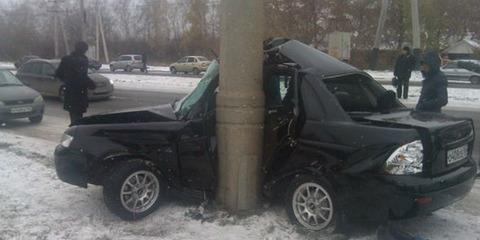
(66, 140)
(38, 99)
(407, 159)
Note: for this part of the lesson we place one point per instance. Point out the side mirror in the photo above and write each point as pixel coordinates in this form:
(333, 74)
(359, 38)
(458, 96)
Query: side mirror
(386, 101)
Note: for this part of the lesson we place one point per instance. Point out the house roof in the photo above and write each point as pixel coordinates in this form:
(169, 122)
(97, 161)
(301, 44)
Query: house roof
(464, 46)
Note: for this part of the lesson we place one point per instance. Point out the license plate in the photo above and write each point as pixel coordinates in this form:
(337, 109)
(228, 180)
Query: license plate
(457, 154)
(21, 110)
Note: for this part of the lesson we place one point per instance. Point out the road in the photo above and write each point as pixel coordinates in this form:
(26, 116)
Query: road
(56, 120)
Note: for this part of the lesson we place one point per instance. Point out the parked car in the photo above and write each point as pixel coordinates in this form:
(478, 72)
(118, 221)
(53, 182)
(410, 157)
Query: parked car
(39, 74)
(94, 64)
(337, 146)
(453, 72)
(18, 100)
(24, 59)
(127, 63)
(190, 64)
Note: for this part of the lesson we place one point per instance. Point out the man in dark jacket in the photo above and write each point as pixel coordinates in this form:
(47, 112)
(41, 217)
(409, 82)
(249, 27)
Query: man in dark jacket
(403, 70)
(434, 87)
(73, 71)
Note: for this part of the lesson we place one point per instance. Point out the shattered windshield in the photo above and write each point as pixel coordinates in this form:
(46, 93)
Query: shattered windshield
(183, 106)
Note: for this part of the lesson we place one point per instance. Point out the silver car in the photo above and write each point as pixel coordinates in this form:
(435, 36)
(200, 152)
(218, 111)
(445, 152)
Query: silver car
(39, 74)
(18, 100)
(127, 63)
(454, 73)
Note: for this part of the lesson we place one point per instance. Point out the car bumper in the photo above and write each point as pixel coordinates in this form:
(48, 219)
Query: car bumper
(414, 196)
(101, 93)
(71, 166)
(6, 111)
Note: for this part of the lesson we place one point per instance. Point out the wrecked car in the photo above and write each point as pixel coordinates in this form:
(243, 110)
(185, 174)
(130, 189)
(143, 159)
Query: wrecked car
(337, 146)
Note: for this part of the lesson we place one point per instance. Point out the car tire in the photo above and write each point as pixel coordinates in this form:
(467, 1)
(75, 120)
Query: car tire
(36, 119)
(311, 204)
(475, 80)
(196, 71)
(124, 183)
(128, 69)
(173, 70)
(112, 69)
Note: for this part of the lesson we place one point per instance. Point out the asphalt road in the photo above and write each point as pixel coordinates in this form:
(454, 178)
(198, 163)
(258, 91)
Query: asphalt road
(56, 119)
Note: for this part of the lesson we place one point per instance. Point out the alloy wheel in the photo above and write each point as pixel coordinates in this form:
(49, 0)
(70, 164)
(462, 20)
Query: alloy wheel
(139, 191)
(312, 206)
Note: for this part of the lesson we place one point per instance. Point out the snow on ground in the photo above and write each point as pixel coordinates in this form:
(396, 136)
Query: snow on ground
(106, 67)
(388, 75)
(37, 205)
(176, 84)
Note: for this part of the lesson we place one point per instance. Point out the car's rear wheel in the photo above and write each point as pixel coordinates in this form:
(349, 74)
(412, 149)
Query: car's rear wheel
(196, 71)
(475, 80)
(173, 70)
(310, 203)
(36, 119)
(133, 190)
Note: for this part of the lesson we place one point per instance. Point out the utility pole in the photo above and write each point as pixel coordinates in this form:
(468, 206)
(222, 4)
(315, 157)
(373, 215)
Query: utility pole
(65, 39)
(416, 32)
(378, 36)
(55, 32)
(83, 25)
(104, 42)
(240, 104)
(97, 33)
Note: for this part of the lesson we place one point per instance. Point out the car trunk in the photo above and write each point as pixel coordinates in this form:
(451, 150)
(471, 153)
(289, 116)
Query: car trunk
(448, 141)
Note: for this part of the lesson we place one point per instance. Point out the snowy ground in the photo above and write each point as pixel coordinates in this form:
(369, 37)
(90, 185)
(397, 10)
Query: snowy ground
(106, 67)
(36, 205)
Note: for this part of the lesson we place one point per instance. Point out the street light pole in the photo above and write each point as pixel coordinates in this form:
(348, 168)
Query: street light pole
(240, 104)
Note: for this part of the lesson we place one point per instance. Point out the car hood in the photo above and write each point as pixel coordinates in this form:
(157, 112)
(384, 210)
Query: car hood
(98, 78)
(12, 93)
(162, 113)
(425, 120)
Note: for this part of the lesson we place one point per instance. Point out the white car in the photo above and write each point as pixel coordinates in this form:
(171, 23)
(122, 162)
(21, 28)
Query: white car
(453, 72)
(127, 63)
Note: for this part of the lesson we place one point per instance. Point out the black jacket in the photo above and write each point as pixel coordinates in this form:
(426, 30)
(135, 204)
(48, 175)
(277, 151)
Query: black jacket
(404, 66)
(73, 71)
(434, 93)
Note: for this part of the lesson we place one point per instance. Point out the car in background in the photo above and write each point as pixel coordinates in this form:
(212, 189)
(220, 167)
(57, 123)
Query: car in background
(190, 64)
(94, 64)
(39, 74)
(127, 63)
(18, 64)
(19, 101)
(454, 72)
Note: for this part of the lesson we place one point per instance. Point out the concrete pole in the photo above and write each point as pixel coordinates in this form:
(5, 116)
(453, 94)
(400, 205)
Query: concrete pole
(104, 41)
(240, 104)
(65, 39)
(55, 33)
(97, 35)
(378, 36)
(416, 32)
(83, 24)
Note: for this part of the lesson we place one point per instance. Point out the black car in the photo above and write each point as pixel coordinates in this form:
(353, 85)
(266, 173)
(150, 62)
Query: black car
(337, 146)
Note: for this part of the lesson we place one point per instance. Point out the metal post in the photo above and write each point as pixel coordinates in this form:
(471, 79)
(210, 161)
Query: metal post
(378, 35)
(240, 104)
(416, 32)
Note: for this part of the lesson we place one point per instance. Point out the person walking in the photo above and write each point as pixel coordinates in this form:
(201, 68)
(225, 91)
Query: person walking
(73, 72)
(403, 70)
(144, 62)
(434, 93)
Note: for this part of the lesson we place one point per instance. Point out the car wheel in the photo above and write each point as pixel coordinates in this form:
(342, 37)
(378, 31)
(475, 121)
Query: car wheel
(133, 190)
(61, 94)
(112, 69)
(36, 119)
(196, 71)
(128, 69)
(475, 80)
(173, 70)
(310, 203)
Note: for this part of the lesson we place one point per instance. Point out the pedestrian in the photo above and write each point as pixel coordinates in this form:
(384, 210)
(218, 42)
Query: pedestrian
(144, 62)
(73, 72)
(403, 70)
(434, 93)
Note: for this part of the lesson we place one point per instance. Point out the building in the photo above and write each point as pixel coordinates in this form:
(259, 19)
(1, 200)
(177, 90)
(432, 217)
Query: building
(463, 49)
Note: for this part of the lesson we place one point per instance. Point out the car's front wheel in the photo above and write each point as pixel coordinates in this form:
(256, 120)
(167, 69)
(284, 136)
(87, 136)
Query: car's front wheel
(133, 189)
(36, 119)
(475, 80)
(310, 202)
(173, 70)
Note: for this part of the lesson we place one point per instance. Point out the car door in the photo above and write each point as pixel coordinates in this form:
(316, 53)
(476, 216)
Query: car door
(51, 84)
(451, 71)
(35, 76)
(190, 64)
(24, 74)
(181, 65)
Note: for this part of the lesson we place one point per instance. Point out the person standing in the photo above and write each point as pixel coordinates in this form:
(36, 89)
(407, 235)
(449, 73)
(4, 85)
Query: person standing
(403, 70)
(144, 62)
(434, 93)
(73, 72)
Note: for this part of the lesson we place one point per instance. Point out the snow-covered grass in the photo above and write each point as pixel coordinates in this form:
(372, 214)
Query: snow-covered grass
(175, 84)
(35, 204)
